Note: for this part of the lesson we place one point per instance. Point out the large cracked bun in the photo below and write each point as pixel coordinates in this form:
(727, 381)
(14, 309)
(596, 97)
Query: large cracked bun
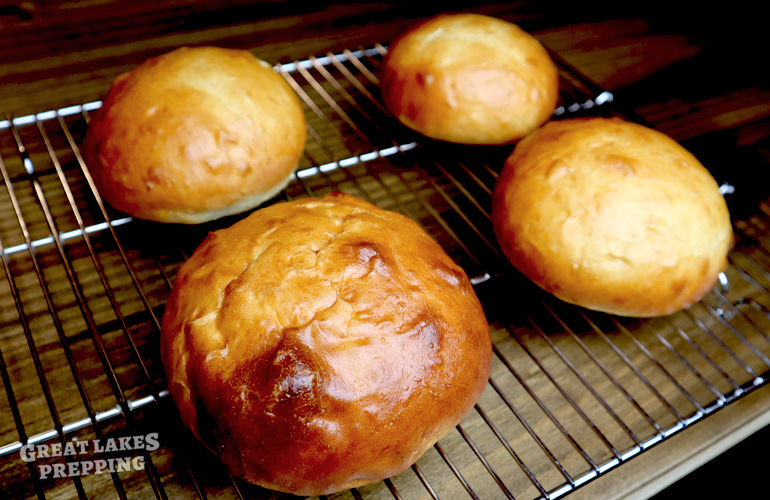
(322, 344)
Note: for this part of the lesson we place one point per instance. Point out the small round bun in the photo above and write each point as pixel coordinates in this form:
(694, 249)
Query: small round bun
(322, 344)
(470, 79)
(194, 135)
(612, 216)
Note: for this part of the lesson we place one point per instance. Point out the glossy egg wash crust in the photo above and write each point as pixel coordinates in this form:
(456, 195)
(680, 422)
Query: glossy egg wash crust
(322, 344)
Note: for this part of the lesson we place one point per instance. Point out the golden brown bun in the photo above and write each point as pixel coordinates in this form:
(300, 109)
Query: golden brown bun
(194, 135)
(322, 344)
(471, 79)
(612, 216)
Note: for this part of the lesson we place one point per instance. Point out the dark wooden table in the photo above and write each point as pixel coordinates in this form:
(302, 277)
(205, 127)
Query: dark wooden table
(697, 74)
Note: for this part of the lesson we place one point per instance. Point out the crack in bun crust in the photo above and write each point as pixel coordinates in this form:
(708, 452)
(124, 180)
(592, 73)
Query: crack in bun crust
(322, 344)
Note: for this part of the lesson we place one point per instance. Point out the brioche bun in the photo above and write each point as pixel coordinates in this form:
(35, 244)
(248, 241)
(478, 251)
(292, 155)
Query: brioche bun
(322, 344)
(469, 78)
(612, 216)
(194, 135)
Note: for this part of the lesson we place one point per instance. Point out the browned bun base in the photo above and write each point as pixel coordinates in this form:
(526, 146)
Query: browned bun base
(194, 135)
(322, 344)
(471, 79)
(612, 216)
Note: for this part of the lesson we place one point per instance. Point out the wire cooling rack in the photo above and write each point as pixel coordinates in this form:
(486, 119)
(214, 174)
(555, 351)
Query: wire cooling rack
(572, 393)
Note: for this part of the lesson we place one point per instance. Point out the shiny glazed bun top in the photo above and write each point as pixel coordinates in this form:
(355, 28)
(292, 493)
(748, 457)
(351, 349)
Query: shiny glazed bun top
(194, 135)
(322, 344)
(612, 216)
(469, 78)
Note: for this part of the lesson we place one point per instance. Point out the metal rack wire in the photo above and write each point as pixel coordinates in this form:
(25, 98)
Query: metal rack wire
(572, 394)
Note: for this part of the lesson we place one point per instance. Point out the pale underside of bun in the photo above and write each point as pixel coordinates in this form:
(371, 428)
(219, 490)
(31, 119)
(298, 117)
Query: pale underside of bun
(612, 216)
(240, 206)
(322, 344)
